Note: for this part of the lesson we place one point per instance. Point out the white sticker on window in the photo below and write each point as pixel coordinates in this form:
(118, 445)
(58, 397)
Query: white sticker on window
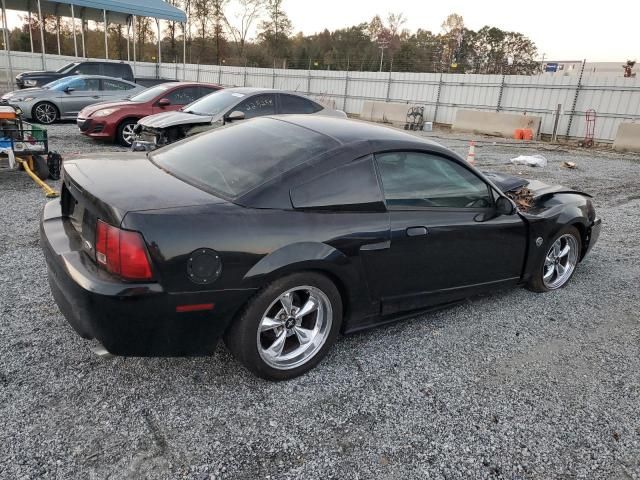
(239, 95)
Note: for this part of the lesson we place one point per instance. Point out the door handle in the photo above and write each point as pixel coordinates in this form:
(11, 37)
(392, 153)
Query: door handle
(96, 96)
(417, 231)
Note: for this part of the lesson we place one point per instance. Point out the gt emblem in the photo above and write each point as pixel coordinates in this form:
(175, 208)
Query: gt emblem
(539, 241)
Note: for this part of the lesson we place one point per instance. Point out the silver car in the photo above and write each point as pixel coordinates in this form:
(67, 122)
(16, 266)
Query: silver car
(62, 99)
(221, 108)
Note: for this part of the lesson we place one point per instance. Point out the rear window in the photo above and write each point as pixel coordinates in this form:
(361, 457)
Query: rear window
(231, 161)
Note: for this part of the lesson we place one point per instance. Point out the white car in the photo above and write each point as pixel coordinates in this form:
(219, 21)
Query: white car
(221, 108)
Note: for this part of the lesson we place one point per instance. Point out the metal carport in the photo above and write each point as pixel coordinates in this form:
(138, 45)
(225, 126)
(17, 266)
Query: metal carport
(106, 11)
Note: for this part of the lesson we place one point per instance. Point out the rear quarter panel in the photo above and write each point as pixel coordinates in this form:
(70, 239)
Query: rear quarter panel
(257, 246)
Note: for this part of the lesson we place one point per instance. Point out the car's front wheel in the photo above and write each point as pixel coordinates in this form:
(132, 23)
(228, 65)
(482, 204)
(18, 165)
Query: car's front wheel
(126, 135)
(288, 327)
(45, 112)
(559, 263)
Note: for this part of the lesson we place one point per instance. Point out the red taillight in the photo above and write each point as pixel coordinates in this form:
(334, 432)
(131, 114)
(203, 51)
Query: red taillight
(122, 252)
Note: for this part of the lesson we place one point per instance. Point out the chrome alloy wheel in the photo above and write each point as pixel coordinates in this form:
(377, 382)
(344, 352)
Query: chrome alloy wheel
(45, 113)
(294, 327)
(127, 133)
(560, 261)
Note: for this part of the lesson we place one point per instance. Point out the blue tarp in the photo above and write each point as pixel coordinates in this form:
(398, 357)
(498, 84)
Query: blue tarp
(92, 9)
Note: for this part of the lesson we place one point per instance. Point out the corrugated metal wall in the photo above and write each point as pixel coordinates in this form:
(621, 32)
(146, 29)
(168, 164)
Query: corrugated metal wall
(615, 99)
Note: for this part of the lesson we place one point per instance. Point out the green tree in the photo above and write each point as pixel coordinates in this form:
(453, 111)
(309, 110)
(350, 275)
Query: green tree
(275, 29)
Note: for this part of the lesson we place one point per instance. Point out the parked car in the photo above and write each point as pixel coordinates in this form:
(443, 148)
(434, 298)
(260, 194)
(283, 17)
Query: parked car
(221, 108)
(108, 69)
(115, 120)
(281, 232)
(64, 98)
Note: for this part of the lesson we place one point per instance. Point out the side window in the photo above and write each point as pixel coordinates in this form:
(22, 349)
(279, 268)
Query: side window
(183, 96)
(257, 106)
(113, 70)
(351, 187)
(85, 84)
(204, 91)
(87, 69)
(414, 179)
(115, 85)
(295, 104)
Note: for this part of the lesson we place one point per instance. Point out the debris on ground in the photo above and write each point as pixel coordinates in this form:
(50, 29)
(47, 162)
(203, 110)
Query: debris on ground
(523, 198)
(530, 160)
(569, 165)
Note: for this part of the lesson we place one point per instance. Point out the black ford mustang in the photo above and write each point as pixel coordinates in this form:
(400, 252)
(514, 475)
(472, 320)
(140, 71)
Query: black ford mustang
(279, 233)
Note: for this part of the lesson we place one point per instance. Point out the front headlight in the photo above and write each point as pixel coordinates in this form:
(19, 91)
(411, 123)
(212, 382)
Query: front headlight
(31, 83)
(104, 112)
(25, 99)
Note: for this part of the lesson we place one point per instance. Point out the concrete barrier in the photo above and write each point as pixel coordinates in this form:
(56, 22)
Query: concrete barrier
(494, 123)
(385, 112)
(627, 138)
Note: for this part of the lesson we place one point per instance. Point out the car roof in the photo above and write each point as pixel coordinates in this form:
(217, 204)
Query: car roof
(253, 90)
(349, 130)
(187, 84)
(106, 77)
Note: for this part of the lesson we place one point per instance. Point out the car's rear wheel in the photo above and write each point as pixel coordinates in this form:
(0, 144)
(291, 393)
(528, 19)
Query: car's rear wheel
(125, 132)
(288, 327)
(45, 112)
(559, 263)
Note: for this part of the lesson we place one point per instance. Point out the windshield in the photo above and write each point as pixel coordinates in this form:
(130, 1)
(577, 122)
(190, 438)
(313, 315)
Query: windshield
(66, 68)
(232, 160)
(149, 93)
(57, 83)
(213, 103)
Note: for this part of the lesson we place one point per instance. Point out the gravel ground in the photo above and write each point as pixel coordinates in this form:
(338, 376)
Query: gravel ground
(513, 385)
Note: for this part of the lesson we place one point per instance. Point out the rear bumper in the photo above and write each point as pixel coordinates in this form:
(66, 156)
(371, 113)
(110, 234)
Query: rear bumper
(136, 319)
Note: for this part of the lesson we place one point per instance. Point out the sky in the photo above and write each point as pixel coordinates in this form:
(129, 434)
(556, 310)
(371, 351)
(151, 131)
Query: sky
(562, 29)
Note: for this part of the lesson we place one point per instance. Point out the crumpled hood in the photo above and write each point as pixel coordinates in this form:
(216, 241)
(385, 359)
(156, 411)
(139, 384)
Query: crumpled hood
(511, 183)
(169, 119)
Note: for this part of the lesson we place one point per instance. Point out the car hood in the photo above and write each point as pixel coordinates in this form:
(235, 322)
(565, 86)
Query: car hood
(170, 119)
(30, 92)
(37, 73)
(91, 109)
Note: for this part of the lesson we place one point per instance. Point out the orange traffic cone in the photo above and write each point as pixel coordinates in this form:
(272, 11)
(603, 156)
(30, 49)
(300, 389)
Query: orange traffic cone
(471, 156)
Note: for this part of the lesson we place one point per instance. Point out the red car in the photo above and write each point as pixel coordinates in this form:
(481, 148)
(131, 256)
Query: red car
(114, 121)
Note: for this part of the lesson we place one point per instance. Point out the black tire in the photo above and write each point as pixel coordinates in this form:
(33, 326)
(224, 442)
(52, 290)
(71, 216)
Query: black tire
(121, 131)
(45, 113)
(536, 283)
(40, 167)
(241, 336)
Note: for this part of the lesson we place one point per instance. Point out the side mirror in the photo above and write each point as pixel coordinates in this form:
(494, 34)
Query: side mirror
(235, 115)
(69, 89)
(164, 102)
(504, 206)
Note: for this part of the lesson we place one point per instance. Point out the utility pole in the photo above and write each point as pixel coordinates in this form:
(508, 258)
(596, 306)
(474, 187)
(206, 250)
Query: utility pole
(382, 44)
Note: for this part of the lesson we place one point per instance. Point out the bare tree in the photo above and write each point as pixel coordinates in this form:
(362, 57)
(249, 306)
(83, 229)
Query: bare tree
(218, 18)
(248, 12)
(202, 9)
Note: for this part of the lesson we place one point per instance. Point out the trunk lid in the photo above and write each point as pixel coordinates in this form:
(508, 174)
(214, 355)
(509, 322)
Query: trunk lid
(108, 186)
